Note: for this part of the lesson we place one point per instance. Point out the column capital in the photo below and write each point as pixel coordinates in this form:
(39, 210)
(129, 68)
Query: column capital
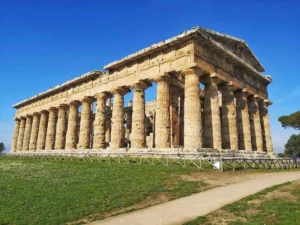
(141, 85)
(230, 86)
(120, 90)
(245, 92)
(164, 77)
(213, 78)
(43, 112)
(29, 116)
(192, 70)
(63, 106)
(87, 99)
(53, 109)
(74, 103)
(36, 114)
(102, 95)
(17, 119)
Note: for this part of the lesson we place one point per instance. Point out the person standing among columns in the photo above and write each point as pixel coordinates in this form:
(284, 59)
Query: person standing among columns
(85, 123)
(71, 136)
(117, 118)
(229, 126)
(212, 121)
(51, 129)
(27, 132)
(60, 137)
(34, 131)
(243, 120)
(99, 124)
(192, 109)
(265, 122)
(41, 141)
(138, 138)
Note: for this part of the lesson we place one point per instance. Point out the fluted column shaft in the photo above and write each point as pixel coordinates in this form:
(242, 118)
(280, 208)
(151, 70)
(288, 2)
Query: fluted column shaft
(243, 121)
(192, 110)
(265, 122)
(60, 137)
(85, 124)
(212, 121)
(34, 132)
(138, 117)
(51, 129)
(255, 124)
(117, 120)
(42, 131)
(14, 144)
(71, 136)
(21, 134)
(162, 114)
(229, 126)
(99, 124)
(27, 133)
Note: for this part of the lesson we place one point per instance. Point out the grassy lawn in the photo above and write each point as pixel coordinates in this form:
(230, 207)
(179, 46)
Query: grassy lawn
(277, 205)
(54, 192)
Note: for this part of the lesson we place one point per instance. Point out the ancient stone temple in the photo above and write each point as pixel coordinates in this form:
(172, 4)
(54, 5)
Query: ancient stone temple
(210, 94)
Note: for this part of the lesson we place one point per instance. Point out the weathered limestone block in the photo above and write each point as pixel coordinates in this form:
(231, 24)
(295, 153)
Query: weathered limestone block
(192, 110)
(34, 131)
(138, 115)
(51, 129)
(99, 124)
(229, 126)
(212, 122)
(255, 124)
(21, 134)
(60, 139)
(14, 144)
(243, 121)
(42, 130)
(162, 114)
(27, 133)
(85, 123)
(117, 128)
(265, 122)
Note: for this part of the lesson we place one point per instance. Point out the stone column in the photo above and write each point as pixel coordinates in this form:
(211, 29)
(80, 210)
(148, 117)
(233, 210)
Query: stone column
(229, 126)
(85, 123)
(192, 110)
(71, 136)
(108, 121)
(212, 121)
(117, 118)
(99, 126)
(41, 141)
(34, 131)
(243, 121)
(27, 133)
(51, 129)
(60, 138)
(265, 122)
(255, 124)
(21, 134)
(162, 114)
(14, 144)
(138, 115)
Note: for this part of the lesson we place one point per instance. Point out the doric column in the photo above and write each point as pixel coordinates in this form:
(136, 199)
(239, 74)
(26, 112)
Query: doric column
(108, 121)
(162, 113)
(229, 126)
(212, 121)
(265, 122)
(14, 144)
(51, 129)
(99, 124)
(117, 118)
(137, 137)
(60, 138)
(243, 121)
(27, 132)
(192, 110)
(255, 124)
(21, 134)
(71, 136)
(34, 131)
(41, 141)
(85, 123)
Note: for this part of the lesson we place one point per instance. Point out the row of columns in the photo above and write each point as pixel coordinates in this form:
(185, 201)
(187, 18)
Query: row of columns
(242, 124)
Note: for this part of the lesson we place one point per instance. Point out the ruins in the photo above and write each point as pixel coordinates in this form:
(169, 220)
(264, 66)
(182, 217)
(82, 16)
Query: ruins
(211, 94)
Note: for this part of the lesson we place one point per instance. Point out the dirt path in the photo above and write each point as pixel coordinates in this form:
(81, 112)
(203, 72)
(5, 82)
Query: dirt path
(189, 208)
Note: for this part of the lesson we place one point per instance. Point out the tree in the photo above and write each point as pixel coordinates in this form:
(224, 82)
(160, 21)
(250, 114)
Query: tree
(293, 145)
(2, 147)
(292, 120)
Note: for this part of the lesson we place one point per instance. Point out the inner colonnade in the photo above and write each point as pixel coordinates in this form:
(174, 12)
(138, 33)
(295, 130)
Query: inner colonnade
(210, 94)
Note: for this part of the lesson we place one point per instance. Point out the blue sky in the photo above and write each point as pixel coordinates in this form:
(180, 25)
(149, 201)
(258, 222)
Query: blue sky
(44, 43)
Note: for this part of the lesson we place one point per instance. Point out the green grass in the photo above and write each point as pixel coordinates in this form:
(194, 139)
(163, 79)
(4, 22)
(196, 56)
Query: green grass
(278, 209)
(54, 192)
